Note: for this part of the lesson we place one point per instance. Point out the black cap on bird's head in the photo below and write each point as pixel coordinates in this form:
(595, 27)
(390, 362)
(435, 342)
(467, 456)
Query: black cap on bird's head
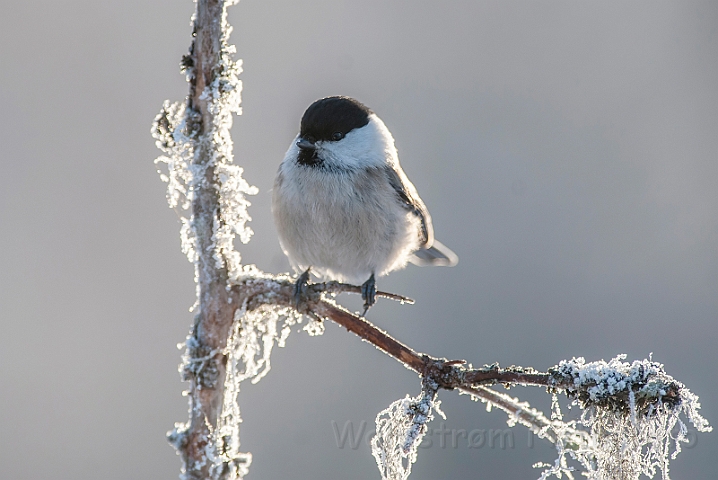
(331, 118)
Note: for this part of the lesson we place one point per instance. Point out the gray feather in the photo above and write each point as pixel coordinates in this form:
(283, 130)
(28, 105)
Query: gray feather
(437, 255)
(410, 199)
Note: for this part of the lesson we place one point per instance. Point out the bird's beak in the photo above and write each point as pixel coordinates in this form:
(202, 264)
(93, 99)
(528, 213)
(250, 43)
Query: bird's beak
(305, 144)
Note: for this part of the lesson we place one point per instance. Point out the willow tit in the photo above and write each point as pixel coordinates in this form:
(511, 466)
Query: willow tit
(342, 204)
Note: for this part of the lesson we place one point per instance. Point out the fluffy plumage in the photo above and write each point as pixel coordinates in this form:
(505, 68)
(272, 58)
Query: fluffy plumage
(341, 202)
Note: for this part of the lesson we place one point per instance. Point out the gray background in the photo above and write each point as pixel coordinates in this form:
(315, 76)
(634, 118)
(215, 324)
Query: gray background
(566, 150)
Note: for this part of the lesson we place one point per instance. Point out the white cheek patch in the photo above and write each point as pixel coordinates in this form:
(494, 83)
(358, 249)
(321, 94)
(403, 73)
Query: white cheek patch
(369, 146)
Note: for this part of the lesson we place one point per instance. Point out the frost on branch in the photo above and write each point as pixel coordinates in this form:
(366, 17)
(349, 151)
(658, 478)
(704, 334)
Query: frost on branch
(210, 196)
(399, 431)
(224, 98)
(520, 412)
(177, 130)
(632, 411)
(174, 137)
(249, 347)
(252, 339)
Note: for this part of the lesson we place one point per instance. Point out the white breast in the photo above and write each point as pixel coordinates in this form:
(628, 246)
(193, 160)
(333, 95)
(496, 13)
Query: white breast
(344, 220)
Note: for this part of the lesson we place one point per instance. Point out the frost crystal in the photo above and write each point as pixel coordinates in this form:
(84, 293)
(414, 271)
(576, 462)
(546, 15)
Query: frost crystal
(248, 351)
(197, 151)
(632, 411)
(399, 431)
(189, 153)
(252, 339)
(224, 96)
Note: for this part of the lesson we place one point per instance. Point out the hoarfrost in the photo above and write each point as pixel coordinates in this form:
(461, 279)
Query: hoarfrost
(248, 351)
(174, 138)
(197, 153)
(314, 327)
(177, 132)
(633, 413)
(252, 339)
(399, 430)
(224, 97)
(520, 412)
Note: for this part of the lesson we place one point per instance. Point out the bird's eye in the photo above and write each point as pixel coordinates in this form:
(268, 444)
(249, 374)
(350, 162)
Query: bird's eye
(337, 136)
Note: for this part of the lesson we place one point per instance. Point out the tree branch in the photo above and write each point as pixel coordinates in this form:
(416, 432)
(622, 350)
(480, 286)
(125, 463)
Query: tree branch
(204, 367)
(455, 374)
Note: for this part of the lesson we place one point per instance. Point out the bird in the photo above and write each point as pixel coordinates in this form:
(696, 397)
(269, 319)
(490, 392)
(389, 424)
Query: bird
(342, 205)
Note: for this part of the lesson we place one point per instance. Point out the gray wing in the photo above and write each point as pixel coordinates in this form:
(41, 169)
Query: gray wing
(410, 199)
(431, 252)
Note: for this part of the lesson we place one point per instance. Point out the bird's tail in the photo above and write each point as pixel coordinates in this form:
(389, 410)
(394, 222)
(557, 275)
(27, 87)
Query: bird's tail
(436, 255)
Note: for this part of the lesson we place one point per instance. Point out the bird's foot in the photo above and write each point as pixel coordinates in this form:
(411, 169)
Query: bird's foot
(300, 287)
(368, 293)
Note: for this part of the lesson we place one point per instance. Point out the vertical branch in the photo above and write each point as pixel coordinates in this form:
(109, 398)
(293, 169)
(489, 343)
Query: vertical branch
(215, 314)
(206, 126)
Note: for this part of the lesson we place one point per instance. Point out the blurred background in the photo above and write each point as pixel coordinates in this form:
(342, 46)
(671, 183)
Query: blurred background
(568, 153)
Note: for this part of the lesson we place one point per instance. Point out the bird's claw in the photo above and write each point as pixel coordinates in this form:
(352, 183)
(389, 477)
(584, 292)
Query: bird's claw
(368, 294)
(300, 287)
